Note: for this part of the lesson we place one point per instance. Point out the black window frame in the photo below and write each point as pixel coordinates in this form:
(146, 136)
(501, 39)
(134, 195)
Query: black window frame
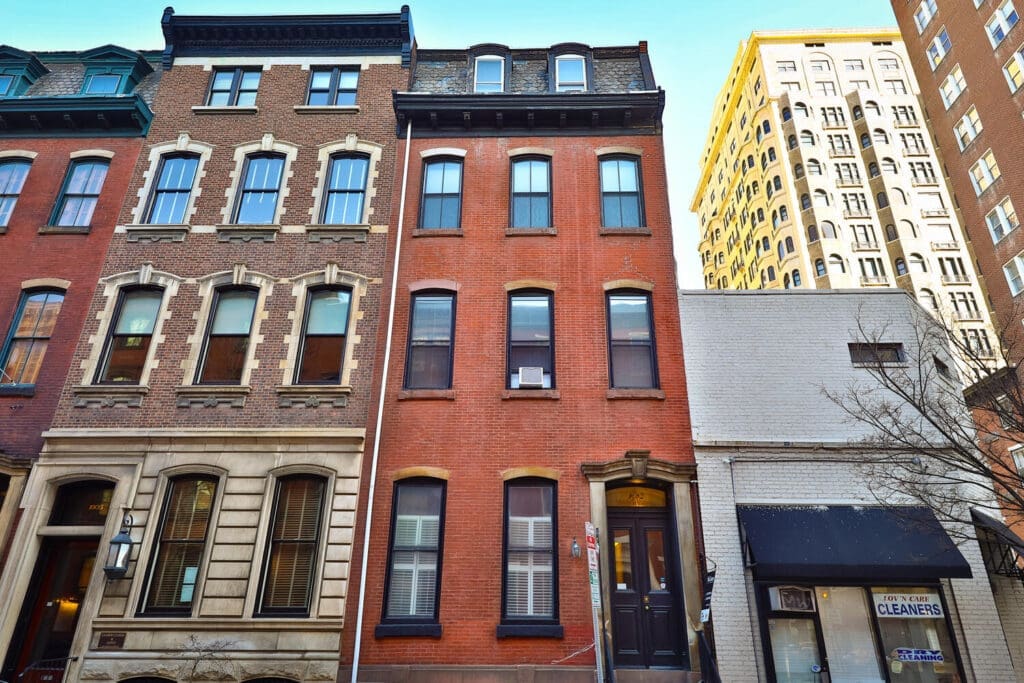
(870, 354)
(653, 345)
(241, 191)
(5, 192)
(328, 190)
(262, 610)
(145, 608)
(300, 352)
(122, 296)
(207, 330)
(528, 158)
(427, 163)
(235, 89)
(509, 344)
(157, 191)
(334, 89)
(451, 338)
(64, 195)
(519, 626)
(641, 211)
(413, 626)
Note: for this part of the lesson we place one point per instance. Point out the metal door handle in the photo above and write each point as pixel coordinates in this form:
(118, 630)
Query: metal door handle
(647, 602)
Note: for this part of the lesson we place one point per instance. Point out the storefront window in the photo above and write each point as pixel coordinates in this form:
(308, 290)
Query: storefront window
(915, 638)
(849, 637)
(795, 650)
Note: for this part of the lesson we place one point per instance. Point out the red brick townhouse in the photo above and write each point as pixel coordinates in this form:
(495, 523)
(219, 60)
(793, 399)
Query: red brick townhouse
(71, 127)
(535, 380)
(191, 515)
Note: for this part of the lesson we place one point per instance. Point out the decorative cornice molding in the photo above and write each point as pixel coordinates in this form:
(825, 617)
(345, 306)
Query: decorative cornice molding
(74, 115)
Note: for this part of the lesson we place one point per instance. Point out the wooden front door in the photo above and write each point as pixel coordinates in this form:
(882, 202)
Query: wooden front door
(51, 609)
(646, 604)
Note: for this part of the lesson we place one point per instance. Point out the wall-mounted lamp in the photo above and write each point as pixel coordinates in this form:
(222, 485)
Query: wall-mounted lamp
(574, 549)
(120, 553)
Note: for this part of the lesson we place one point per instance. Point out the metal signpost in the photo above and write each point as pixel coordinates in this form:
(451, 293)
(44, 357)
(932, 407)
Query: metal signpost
(595, 596)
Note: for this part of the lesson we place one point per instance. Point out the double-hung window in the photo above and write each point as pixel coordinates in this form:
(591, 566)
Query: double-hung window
(489, 74)
(413, 584)
(952, 85)
(923, 16)
(531, 193)
(172, 189)
(570, 73)
(261, 186)
(1001, 220)
(428, 363)
(81, 191)
(531, 351)
(1013, 70)
(180, 545)
(631, 348)
(345, 193)
(967, 128)
(124, 355)
(234, 87)
(1002, 20)
(442, 194)
(227, 336)
(938, 48)
(22, 355)
(621, 196)
(984, 172)
(292, 546)
(102, 83)
(333, 87)
(529, 595)
(323, 337)
(12, 178)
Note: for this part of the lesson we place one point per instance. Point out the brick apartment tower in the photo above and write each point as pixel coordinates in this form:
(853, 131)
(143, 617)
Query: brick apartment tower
(819, 173)
(535, 382)
(218, 402)
(71, 127)
(969, 60)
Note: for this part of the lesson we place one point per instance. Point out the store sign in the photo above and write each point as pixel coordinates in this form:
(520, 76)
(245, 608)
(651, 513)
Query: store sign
(908, 606)
(909, 654)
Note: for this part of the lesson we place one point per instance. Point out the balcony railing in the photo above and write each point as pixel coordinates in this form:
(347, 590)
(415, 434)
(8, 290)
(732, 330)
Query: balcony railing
(967, 316)
(915, 152)
(905, 123)
(956, 279)
(934, 213)
(832, 125)
(873, 280)
(856, 213)
(920, 182)
(864, 246)
(945, 246)
(845, 181)
(840, 152)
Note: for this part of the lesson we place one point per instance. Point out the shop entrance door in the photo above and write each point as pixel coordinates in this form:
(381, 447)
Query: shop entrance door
(49, 615)
(646, 605)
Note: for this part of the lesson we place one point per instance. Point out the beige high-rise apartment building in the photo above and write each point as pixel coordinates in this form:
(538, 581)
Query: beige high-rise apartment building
(819, 171)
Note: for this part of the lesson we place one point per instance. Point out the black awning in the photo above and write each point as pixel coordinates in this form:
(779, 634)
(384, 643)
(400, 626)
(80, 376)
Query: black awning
(1002, 532)
(790, 542)
(1002, 548)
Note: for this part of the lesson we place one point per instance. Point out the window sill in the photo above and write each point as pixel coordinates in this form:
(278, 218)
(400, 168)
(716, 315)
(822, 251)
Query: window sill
(109, 395)
(325, 109)
(437, 232)
(154, 232)
(636, 394)
(322, 232)
(530, 631)
(426, 395)
(541, 394)
(407, 630)
(3, 229)
(211, 396)
(206, 109)
(646, 232)
(240, 232)
(17, 389)
(313, 395)
(526, 232)
(65, 230)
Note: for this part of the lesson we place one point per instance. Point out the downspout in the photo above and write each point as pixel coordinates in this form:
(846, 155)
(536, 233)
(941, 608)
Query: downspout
(380, 415)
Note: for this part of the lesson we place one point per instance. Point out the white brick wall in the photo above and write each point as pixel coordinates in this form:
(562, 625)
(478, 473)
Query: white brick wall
(755, 362)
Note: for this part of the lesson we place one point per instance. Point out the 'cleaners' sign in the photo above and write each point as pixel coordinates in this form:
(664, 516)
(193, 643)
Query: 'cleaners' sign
(908, 606)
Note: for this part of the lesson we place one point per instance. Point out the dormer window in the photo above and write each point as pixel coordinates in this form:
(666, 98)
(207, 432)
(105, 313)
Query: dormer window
(18, 71)
(102, 84)
(6, 85)
(570, 73)
(490, 74)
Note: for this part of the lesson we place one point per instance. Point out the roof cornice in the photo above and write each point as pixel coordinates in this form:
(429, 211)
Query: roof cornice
(74, 115)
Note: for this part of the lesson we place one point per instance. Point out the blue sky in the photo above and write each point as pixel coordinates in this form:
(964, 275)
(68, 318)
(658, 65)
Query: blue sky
(691, 43)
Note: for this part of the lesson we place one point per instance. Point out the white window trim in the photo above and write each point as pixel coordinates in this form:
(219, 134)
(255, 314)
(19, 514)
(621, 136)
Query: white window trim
(476, 71)
(558, 70)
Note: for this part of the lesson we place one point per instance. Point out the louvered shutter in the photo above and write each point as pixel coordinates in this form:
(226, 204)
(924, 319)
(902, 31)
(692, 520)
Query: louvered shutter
(294, 541)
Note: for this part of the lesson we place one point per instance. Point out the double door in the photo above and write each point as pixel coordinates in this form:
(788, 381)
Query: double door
(646, 604)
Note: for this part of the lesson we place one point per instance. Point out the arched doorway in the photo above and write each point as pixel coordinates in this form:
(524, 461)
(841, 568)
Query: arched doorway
(646, 606)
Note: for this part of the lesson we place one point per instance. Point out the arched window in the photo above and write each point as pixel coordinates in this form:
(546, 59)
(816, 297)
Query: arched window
(12, 178)
(764, 160)
(324, 330)
(890, 233)
(806, 137)
(801, 109)
(928, 300)
(783, 213)
(857, 113)
(901, 267)
(789, 245)
(771, 273)
(21, 356)
(758, 134)
(883, 200)
(345, 189)
(757, 247)
(781, 251)
(771, 154)
(828, 230)
(812, 233)
(819, 267)
(168, 201)
(805, 201)
(798, 171)
(766, 127)
(227, 335)
(760, 215)
(880, 137)
(797, 281)
(766, 245)
(918, 264)
(888, 165)
(821, 198)
(785, 281)
(786, 114)
(873, 169)
(865, 140)
(835, 263)
(775, 219)
(908, 228)
(900, 195)
(813, 167)
(129, 337)
(873, 108)
(750, 161)
(791, 140)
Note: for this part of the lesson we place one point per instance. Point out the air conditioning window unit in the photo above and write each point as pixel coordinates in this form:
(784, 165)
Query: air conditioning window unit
(791, 598)
(531, 378)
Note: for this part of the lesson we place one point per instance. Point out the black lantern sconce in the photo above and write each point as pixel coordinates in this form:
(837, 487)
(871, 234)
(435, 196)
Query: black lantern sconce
(120, 553)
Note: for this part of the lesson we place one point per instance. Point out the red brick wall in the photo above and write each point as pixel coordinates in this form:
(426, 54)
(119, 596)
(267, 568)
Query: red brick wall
(281, 88)
(26, 254)
(478, 435)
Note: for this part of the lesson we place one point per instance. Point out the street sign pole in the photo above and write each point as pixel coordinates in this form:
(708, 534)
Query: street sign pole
(595, 596)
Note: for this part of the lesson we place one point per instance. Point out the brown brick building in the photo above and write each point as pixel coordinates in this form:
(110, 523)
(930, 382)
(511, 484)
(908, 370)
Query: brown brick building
(72, 127)
(535, 379)
(218, 401)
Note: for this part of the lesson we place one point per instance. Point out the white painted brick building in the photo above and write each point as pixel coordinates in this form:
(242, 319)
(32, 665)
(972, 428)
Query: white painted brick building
(765, 435)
